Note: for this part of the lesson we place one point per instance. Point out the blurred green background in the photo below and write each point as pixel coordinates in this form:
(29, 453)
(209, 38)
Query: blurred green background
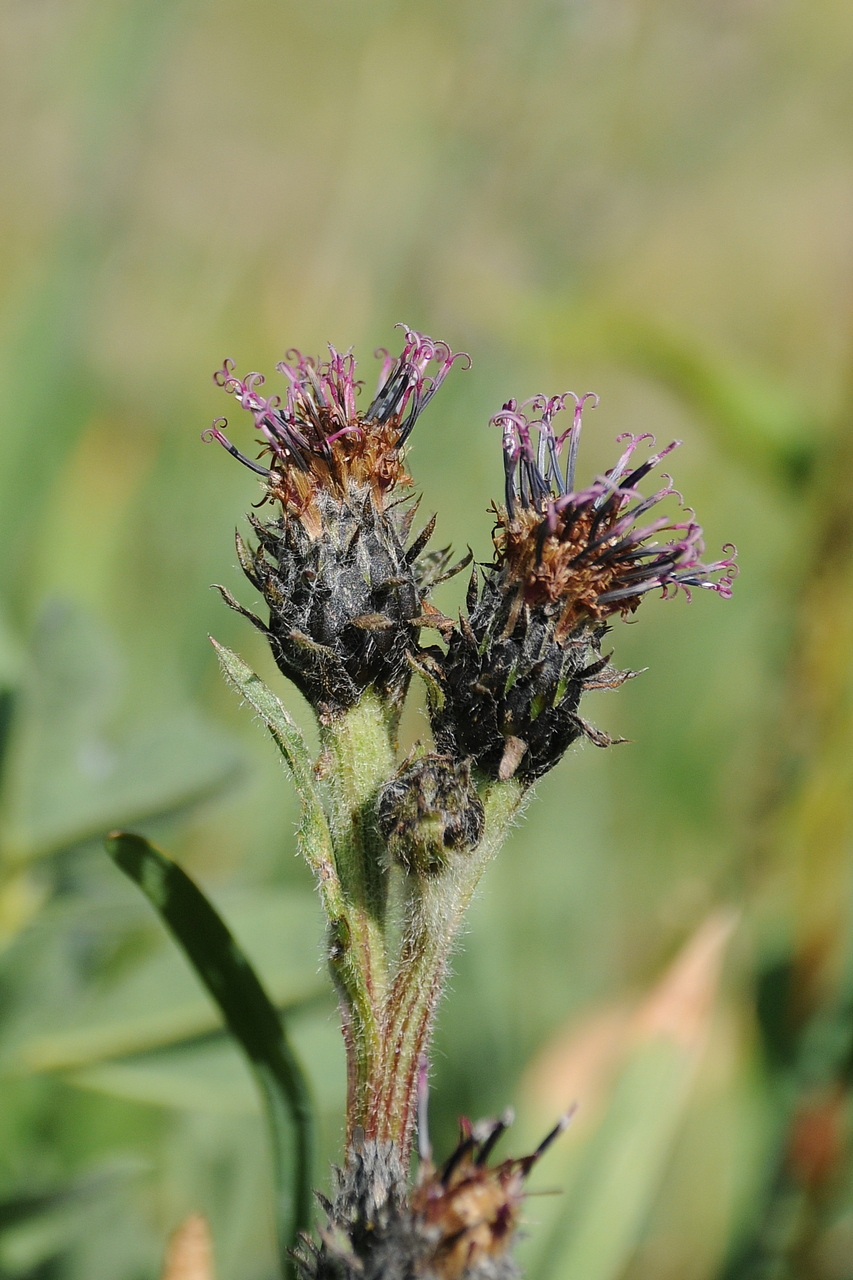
(649, 198)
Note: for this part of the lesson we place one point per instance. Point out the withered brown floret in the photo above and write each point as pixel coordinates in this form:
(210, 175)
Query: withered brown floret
(458, 1222)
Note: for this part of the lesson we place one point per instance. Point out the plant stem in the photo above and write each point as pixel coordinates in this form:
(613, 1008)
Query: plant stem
(359, 758)
(387, 1016)
(437, 908)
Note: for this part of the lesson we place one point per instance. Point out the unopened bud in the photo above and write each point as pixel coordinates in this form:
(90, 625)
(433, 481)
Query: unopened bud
(429, 810)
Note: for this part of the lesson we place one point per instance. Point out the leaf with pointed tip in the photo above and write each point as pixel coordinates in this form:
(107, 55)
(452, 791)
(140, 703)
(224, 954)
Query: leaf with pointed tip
(249, 1014)
(315, 842)
(452, 570)
(234, 603)
(421, 541)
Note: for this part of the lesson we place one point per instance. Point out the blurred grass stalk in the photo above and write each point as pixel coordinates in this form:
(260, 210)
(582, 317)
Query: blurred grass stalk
(621, 1167)
(800, 870)
(49, 390)
(804, 848)
(252, 1019)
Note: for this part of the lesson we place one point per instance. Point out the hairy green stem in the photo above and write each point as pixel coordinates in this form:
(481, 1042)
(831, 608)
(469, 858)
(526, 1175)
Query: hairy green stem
(386, 1016)
(357, 758)
(437, 909)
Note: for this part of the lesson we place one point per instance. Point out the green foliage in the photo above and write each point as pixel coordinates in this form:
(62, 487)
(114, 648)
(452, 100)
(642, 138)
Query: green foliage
(648, 200)
(250, 1017)
(313, 835)
(155, 1001)
(74, 770)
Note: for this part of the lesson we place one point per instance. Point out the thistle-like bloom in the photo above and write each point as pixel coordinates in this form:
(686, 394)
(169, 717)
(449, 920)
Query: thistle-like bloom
(317, 439)
(459, 1222)
(566, 559)
(590, 548)
(345, 594)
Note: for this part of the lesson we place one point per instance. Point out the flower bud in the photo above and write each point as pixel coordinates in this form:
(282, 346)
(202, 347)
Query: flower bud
(428, 810)
(511, 697)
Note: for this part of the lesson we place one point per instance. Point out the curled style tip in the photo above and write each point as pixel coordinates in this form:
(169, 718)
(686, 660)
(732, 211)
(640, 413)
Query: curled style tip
(214, 432)
(316, 427)
(596, 547)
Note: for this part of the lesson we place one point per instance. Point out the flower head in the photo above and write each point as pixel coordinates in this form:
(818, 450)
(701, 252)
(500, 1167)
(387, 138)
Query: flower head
(592, 550)
(316, 438)
(565, 560)
(459, 1222)
(469, 1209)
(428, 811)
(346, 595)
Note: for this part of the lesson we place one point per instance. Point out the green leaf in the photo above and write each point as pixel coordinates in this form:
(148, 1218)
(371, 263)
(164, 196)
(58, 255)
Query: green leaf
(249, 1014)
(315, 842)
(70, 775)
(39, 1225)
(157, 1002)
(209, 1074)
(11, 655)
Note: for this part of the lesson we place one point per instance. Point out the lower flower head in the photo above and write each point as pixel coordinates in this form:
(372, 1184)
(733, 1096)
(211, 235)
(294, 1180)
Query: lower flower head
(458, 1222)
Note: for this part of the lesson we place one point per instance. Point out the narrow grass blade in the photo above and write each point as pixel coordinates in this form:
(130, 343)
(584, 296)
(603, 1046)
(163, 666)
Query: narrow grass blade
(249, 1014)
(596, 1235)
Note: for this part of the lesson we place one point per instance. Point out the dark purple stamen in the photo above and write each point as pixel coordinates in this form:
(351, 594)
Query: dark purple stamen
(214, 433)
(320, 406)
(560, 1127)
(498, 1128)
